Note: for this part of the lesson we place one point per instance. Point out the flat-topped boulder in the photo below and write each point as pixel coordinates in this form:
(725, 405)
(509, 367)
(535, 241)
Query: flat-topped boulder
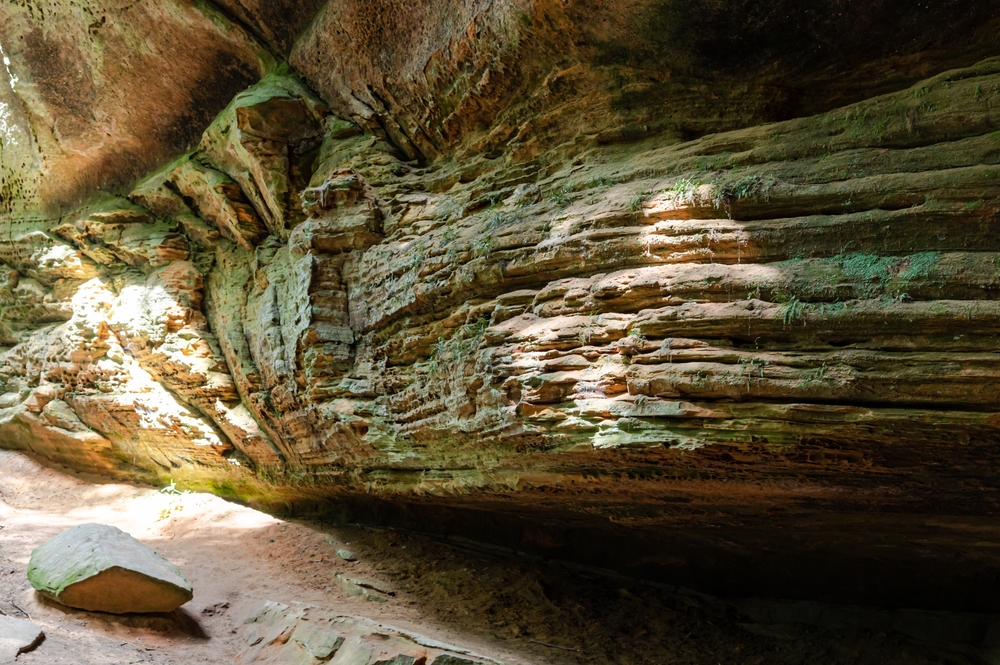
(101, 568)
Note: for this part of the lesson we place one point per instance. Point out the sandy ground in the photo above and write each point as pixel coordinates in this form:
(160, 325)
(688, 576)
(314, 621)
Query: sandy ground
(516, 611)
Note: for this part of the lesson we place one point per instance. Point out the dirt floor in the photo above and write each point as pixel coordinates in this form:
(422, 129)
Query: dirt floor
(516, 611)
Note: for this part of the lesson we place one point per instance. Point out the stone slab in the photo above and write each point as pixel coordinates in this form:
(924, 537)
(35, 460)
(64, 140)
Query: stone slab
(17, 637)
(298, 634)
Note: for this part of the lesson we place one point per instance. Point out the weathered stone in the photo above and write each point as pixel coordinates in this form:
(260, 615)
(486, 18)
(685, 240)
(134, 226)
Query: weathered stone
(547, 263)
(367, 589)
(221, 202)
(101, 568)
(279, 634)
(17, 637)
(38, 255)
(260, 140)
(522, 78)
(92, 118)
(114, 232)
(278, 23)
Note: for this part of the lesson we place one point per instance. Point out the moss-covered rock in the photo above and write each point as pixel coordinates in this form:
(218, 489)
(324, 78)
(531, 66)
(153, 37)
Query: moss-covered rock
(102, 568)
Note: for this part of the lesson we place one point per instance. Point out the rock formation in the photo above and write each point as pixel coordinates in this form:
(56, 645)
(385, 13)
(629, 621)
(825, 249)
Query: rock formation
(17, 637)
(102, 568)
(704, 292)
(279, 634)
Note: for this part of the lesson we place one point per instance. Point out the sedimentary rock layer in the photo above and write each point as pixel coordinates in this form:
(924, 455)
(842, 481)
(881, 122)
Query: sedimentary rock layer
(512, 262)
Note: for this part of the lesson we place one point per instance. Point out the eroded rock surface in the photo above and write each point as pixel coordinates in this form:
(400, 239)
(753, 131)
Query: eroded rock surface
(280, 634)
(525, 261)
(101, 568)
(108, 90)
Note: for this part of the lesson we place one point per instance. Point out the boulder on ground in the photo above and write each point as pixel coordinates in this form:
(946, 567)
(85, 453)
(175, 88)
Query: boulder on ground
(100, 568)
(17, 637)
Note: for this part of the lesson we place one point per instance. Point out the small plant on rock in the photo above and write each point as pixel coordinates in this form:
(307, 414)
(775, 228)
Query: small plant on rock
(483, 247)
(792, 308)
(561, 197)
(636, 334)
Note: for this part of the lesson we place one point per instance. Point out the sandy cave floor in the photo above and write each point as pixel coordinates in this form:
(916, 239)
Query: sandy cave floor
(516, 611)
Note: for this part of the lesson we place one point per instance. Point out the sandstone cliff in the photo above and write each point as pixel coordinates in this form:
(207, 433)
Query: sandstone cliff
(684, 290)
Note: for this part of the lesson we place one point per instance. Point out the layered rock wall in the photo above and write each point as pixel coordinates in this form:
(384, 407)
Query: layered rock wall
(514, 261)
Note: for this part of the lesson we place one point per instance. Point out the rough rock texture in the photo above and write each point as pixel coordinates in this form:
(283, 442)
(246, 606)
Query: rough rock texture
(298, 634)
(102, 568)
(17, 637)
(112, 89)
(528, 76)
(535, 272)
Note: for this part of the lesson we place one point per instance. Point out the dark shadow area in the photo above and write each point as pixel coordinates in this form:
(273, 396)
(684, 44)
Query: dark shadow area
(883, 560)
(778, 60)
(738, 36)
(569, 614)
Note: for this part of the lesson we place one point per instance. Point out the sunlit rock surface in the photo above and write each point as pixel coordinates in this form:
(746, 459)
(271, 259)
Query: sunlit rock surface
(538, 273)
